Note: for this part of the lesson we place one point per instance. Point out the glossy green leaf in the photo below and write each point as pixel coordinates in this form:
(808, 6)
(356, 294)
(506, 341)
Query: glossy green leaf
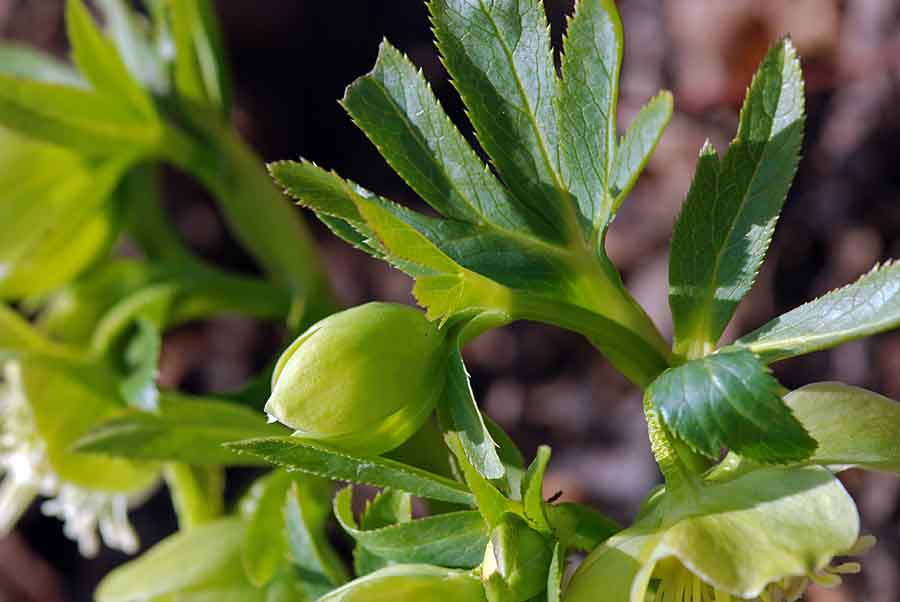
(533, 491)
(380, 472)
(204, 558)
(388, 507)
(588, 94)
(854, 427)
(306, 513)
(638, 144)
(498, 54)
(186, 429)
(726, 223)
(454, 539)
(90, 395)
(467, 423)
(411, 583)
(397, 110)
(730, 400)
(27, 62)
(97, 59)
(868, 306)
(142, 363)
(201, 73)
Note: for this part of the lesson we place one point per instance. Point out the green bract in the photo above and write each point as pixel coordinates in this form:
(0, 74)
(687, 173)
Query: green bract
(747, 538)
(515, 562)
(363, 380)
(411, 583)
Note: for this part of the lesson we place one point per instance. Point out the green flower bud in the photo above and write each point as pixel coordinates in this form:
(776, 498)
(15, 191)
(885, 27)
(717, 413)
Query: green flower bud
(411, 583)
(363, 380)
(516, 562)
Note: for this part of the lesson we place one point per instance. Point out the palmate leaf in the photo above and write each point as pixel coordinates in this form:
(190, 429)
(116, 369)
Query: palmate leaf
(726, 224)
(387, 508)
(453, 539)
(499, 56)
(868, 306)
(729, 399)
(306, 515)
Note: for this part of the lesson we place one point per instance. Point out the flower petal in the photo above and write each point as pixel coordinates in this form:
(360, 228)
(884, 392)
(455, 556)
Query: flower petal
(763, 526)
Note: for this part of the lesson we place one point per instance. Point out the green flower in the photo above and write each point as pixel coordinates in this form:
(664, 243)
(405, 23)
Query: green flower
(363, 380)
(90, 494)
(745, 534)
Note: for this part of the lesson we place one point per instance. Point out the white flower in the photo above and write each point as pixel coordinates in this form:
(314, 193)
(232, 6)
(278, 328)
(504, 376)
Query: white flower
(28, 474)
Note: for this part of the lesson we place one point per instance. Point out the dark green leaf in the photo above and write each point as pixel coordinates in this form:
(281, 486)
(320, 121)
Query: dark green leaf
(99, 62)
(190, 430)
(388, 508)
(638, 144)
(587, 100)
(730, 400)
(381, 472)
(726, 224)
(396, 109)
(466, 421)
(26, 62)
(455, 539)
(533, 491)
(306, 513)
(498, 54)
(868, 306)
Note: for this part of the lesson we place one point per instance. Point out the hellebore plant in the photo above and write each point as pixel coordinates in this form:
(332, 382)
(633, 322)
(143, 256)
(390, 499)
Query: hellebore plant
(379, 395)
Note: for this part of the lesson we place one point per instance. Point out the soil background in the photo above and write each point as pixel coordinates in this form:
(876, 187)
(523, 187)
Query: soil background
(292, 59)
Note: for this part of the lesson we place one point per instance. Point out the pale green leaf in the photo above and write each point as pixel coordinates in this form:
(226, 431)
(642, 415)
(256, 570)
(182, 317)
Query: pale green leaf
(98, 60)
(490, 502)
(868, 306)
(141, 357)
(730, 400)
(205, 557)
(201, 73)
(129, 31)
(726, 224)
(264, 548)
(381, 472)
(533, 491)
(854, 427)
(186, 429)
(411, 583)
(453, 539)
(27, 62)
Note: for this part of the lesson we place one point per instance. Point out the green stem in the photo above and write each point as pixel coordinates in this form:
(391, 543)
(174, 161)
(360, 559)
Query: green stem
(676, 461)
(197, 493)
(257, 213)
(640, 361)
